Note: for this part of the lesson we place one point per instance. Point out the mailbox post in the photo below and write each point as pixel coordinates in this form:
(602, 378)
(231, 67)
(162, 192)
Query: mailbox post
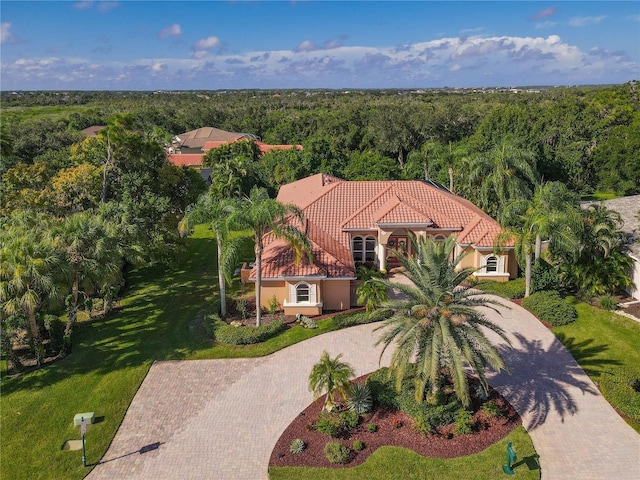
(83, 430)
(511, 459)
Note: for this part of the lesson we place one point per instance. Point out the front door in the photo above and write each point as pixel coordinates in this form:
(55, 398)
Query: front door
(399, 243)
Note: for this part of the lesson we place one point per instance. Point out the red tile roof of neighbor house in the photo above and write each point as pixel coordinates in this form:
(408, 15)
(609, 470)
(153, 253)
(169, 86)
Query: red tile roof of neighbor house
(334, 207)
(186, 159)
(263, 147)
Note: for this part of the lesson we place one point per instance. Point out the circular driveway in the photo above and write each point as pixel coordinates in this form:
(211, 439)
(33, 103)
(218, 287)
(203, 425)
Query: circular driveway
(220, 419)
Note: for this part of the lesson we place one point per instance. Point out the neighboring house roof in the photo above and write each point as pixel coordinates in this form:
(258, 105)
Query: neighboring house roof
(335, 207)
(93, 130)
(186, 159)
(628, 208)
(263, 147)
(199, 137)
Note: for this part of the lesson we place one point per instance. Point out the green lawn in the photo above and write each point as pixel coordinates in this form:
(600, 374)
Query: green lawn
(389, 463)
(600, 341)
(110, 359)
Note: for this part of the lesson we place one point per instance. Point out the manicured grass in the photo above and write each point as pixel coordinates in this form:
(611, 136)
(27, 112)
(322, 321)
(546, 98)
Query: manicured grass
(110, 359)
(389, 463)
(601, 341)
(600, 196)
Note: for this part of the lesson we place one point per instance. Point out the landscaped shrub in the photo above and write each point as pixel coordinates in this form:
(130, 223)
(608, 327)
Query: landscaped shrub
(344, 320)
(551, 308)
(305, 321)
(247, 335)
(358, 445)
(336, 452)
(511, 289)
(382, 388)
(55, 329)
(621, 387)
(349, 419)
(463, 422)
(372, 428)
(423, 425)
(491, 409)
(273, 305)
(544, 276)
(297, 446)
(329, 424)
(607, 302)
(360, 399)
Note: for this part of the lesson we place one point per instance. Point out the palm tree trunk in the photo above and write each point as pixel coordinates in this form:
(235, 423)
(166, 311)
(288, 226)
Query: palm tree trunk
(538, 247)
(73, 317)
(7, 348)
(35, 336)
(103, 194)
(527, 274)
(221, 282)
(258, 280)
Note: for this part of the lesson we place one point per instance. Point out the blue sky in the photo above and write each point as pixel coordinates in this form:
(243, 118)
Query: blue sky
(151, 45)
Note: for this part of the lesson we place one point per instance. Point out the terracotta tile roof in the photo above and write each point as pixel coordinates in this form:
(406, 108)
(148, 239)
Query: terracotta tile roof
(197, 138)
(186, 159)
(93, 130)
(263, 147)
(333, 207)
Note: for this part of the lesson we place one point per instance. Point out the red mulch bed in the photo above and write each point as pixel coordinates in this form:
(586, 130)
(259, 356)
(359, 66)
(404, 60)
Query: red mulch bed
(487, 431)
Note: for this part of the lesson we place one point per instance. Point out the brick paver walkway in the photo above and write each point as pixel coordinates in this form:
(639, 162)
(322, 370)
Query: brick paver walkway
(219, 419)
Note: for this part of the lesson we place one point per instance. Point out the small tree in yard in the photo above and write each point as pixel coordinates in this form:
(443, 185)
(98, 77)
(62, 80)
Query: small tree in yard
(330, 375)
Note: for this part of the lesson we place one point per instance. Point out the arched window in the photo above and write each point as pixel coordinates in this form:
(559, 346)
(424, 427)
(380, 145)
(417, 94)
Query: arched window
(364, 249)
(492, 264)
(440, 238)
(302, 292)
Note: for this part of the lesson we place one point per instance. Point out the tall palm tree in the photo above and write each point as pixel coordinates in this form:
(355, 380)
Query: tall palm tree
(552, 214)
(29, 269)
(330, 375)
(438, 326)
(216, 213)
(263, 215)
(502, 175)
(86, 245)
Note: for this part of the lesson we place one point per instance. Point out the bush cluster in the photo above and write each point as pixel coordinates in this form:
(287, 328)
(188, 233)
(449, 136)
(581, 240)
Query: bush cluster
(344, 320)
(511, 289)
(621, 387)
(337, 425)
(358, 445)
(55, 329)
(297, 446)
(247, 335)
(336, 452)
(464, 422)
(551, 308)
(544, 276)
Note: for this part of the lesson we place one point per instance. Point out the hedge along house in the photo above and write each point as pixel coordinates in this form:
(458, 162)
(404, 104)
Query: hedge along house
(353, 223)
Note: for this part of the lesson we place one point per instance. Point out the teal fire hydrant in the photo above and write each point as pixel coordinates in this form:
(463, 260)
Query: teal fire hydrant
(511, 459)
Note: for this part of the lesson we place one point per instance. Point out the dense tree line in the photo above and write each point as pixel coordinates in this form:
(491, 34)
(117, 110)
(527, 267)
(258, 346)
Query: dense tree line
(524, 158)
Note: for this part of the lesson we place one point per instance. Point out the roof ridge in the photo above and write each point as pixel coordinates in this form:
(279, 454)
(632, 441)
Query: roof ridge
(429, 211)
(357, 212)
(404, 204)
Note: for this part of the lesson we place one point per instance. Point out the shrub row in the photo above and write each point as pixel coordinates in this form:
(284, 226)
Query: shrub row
(621, 388)
(511, 289)
(247, 335)
(551, 308)
(344, 320)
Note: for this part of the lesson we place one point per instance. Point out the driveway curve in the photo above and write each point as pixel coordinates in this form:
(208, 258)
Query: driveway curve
(220, 419)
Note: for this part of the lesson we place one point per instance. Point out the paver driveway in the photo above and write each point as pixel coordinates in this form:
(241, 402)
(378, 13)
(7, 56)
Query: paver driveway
(219, 419)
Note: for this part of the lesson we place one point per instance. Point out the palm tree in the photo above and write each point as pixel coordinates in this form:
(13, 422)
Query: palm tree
(503, 174)
(371, 294)
(86, 244)
(263, 215)
(29, 269)
(438, 327)
(330, 375)
(551, 214)
(216, 213)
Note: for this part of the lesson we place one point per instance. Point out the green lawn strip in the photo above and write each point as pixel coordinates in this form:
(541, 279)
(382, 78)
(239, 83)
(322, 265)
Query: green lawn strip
(389, 463)
(601, 341)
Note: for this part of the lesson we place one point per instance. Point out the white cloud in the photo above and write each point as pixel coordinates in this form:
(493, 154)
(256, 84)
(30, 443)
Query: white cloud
(101, 6)
(209, 42)
(83, 5)
(106, 6)
(468, 61)
(170, 31)
(306, 46)
(544, 13)
(586, 21)
(5, 33)
(545, 25)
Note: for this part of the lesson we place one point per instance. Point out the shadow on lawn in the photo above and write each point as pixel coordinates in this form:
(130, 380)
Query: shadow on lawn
(153, 323)
(541, 380)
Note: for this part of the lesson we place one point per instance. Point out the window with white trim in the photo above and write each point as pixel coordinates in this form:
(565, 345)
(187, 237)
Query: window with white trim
(492, 264)
(440, 238)
(364, 249)
(302, 292)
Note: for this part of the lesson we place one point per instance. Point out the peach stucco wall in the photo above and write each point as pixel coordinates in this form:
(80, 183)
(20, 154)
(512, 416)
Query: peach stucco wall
(271, 288)
(336, 294)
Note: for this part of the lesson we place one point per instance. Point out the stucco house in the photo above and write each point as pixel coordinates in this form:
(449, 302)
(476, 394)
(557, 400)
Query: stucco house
(349, 223)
